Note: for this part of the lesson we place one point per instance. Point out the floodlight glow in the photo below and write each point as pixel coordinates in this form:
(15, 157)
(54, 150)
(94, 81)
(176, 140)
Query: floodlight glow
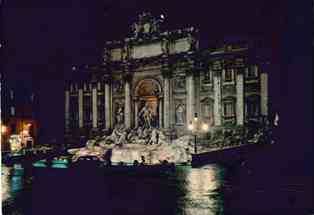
(191, 126)
(205, 127)
(3, 129)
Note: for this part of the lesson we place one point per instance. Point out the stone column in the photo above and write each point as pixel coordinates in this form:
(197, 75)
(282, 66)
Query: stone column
(240, 96)
(166, 102)
(80, 108)
(217, 102)
(94, 107)
(167, 74)
(190, 107)
(67, 109)
(136, 113)
(160, 113)
(197, 86)
(127, 105)
(264, 93)
(107, 105)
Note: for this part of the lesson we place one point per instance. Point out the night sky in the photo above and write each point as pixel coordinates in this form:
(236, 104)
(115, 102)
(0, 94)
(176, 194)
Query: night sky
(42, 40)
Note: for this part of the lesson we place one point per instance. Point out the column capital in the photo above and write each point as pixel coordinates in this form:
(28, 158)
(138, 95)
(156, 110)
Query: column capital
(217, 72)
(94, 84)
(127, 77)
(166, 71)
(217, 65)
(107, 79)
(240, 70)
(80, 84)
(239, 63)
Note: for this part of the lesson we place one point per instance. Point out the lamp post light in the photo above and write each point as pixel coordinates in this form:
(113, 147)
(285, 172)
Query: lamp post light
(195, 127)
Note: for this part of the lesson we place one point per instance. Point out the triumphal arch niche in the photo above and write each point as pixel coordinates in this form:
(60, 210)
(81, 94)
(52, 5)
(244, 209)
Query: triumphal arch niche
(160, 79)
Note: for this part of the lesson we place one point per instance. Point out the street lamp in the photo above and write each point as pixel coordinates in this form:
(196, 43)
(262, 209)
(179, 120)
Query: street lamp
(195, 127)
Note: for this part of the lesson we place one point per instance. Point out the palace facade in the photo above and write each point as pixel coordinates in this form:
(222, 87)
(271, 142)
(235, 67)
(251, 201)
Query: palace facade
(169, 74)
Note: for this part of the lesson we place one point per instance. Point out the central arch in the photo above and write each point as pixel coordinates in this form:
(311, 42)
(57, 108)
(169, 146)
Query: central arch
(148, 103)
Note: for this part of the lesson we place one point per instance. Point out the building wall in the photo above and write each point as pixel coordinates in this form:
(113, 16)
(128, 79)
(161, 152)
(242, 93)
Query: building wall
(221, 85)
(18, 106)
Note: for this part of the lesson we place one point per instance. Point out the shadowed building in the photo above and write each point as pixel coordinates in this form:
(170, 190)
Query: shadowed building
(18, 113)
(161, 79)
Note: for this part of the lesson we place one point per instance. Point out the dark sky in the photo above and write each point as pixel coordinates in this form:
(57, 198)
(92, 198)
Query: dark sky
(41, 36)
(43, 39)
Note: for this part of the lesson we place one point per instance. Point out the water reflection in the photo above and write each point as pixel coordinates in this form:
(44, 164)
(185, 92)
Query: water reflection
(210, 190)
(203, 191)
(189, 191)
(5, 183)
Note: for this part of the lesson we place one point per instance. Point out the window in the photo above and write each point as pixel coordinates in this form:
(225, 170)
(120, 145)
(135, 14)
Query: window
(229, 108)
(208, 76)
(228, 75)
(12, 110)
(252, 108)
(252, 72)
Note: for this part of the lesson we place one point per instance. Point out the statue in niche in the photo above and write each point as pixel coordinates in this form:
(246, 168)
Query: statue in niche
(146, 116)
(119, 115)
(180, 114)
(118, 86)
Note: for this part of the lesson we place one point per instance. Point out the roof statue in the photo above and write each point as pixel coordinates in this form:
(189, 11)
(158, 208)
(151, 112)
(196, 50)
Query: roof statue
(146, 26)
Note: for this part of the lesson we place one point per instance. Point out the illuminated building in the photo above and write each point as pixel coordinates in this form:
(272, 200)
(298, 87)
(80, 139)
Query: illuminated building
(168, 71)
(18, 116)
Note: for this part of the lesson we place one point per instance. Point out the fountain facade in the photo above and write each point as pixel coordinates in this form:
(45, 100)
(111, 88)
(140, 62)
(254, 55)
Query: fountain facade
(155, 81)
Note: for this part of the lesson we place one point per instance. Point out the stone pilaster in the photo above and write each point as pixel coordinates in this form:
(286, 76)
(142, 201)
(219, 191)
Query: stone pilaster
(107, 105)
(264, 93)
(94, 103)
(240, 96)
(166, 73)
(197, 83)
(160, 113)
(80, 108)
(136, 113)
(67, 109)
(217, 93)
(166, 102)
(127, 100)
(190, 99)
